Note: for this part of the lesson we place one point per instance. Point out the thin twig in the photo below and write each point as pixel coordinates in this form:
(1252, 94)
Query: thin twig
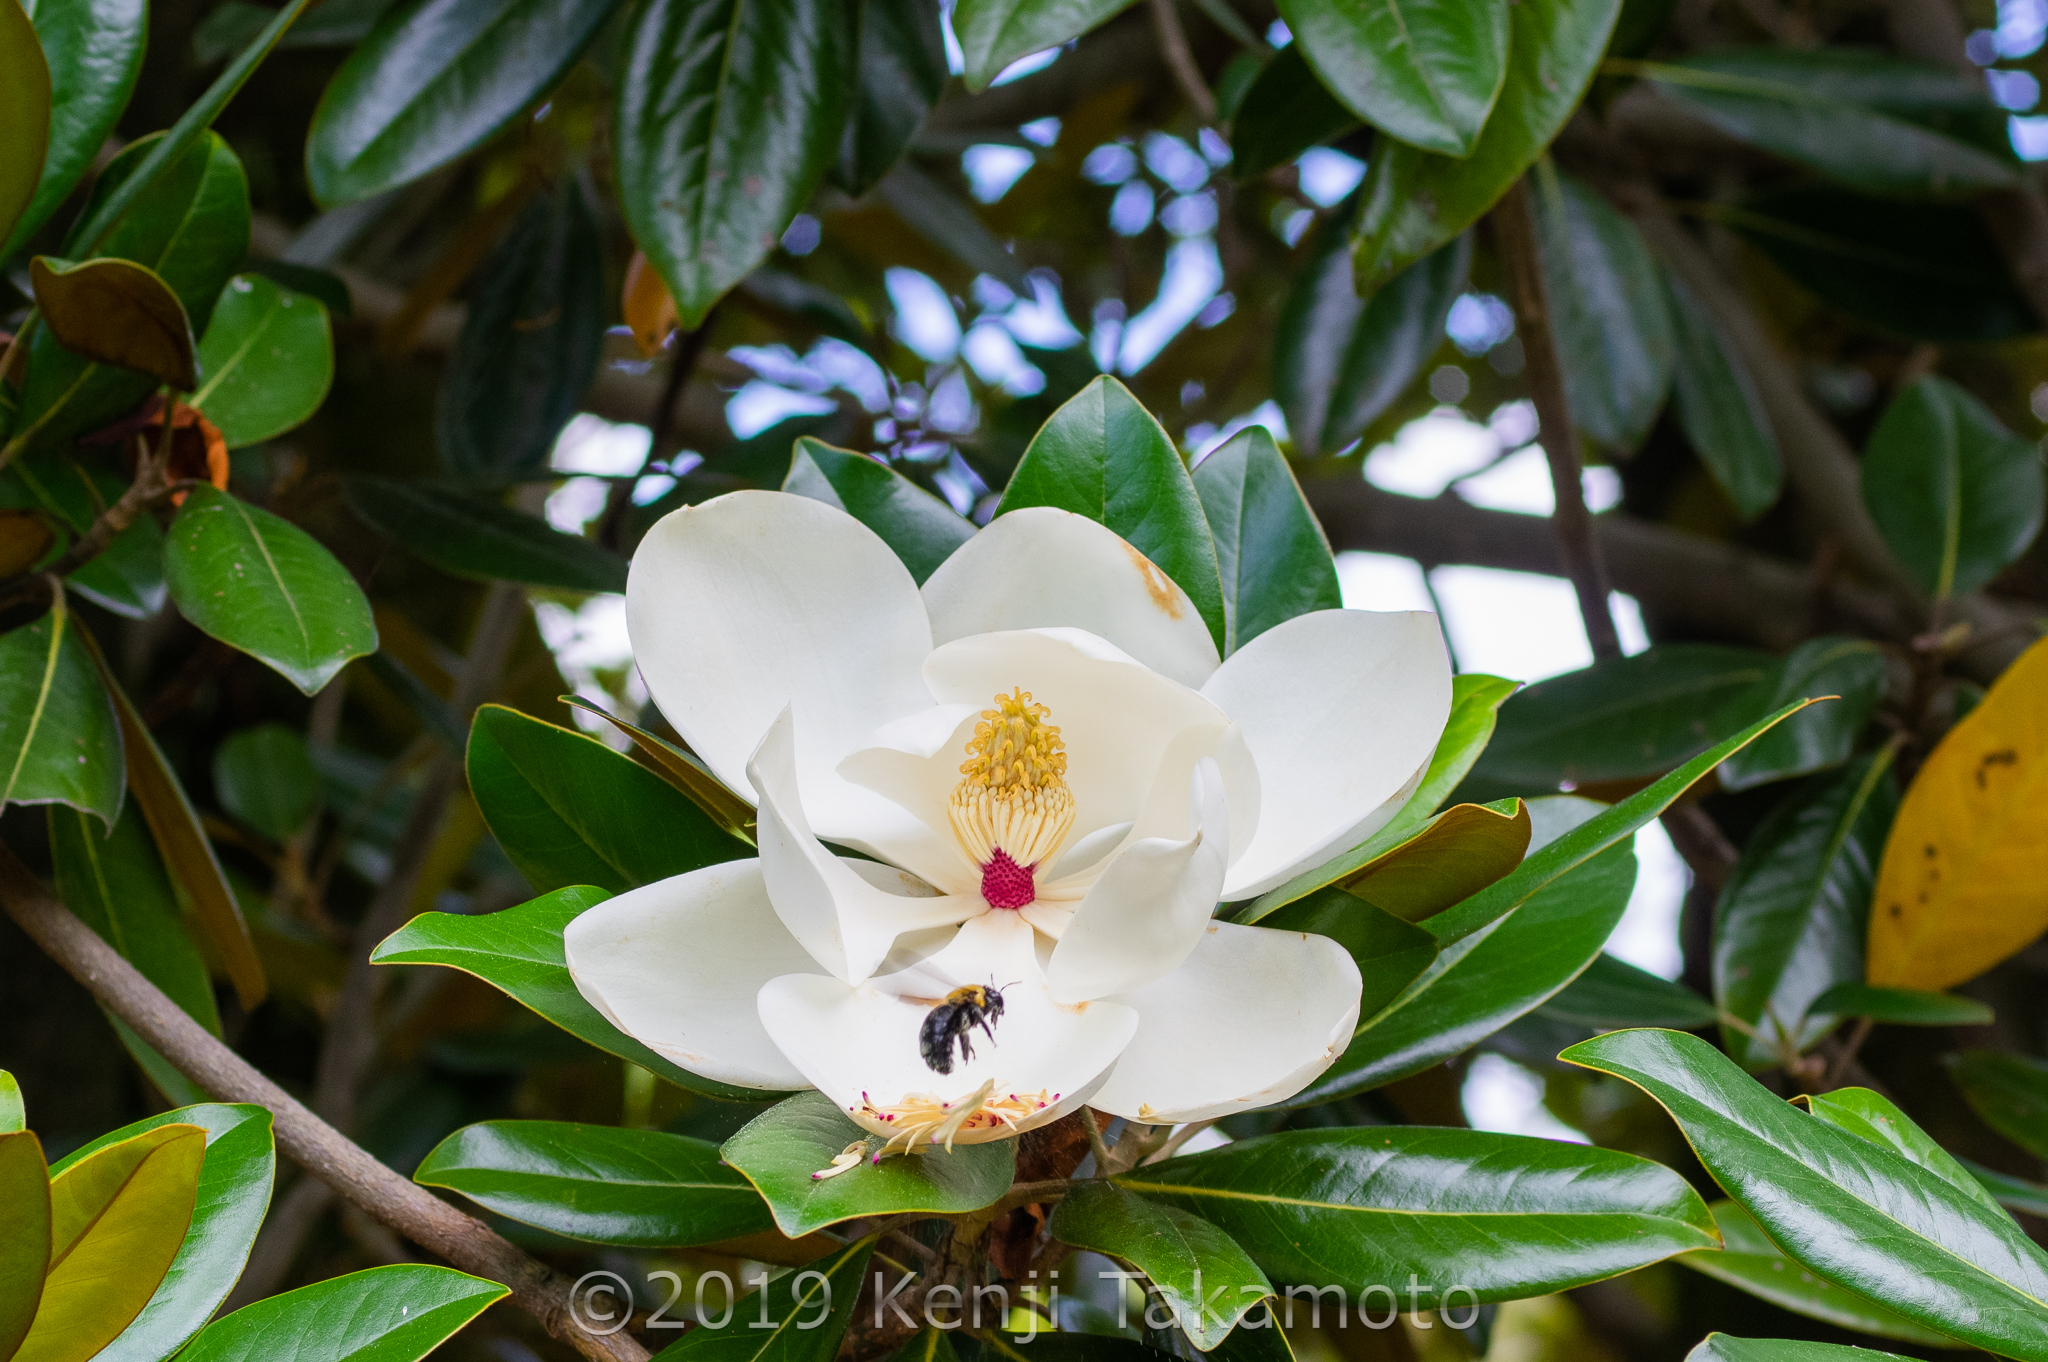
(1095, 1142)
(1514, 227)
(689, 349)
(316, 1146)
(1839, 1069)
(1180, 59)
(1180, 1139)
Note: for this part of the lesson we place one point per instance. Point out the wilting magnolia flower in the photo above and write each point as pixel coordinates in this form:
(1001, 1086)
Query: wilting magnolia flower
(1057, 783)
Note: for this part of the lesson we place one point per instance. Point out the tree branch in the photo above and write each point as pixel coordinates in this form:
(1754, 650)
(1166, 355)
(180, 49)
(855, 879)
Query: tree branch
(1180, 59)
(316, 1146)
(1514, 229)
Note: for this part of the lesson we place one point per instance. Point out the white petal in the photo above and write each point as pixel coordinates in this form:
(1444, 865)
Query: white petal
(1115, 715)
(914, 763)
(676, 965)
(1042, 568)
(1250, 1019)
(859, 1044)
(1146, 912)
(1341, 709)
(847, 922)
(756, 601)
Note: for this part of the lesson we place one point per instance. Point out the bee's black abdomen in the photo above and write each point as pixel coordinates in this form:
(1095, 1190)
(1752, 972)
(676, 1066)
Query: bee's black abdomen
(949, 1022)
(935, 1040)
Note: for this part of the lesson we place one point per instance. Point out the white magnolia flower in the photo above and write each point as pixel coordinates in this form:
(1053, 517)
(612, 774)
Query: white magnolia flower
(1057, 782)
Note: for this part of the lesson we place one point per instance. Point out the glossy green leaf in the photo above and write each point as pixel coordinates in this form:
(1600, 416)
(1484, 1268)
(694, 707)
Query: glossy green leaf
(2010, 1093)
(727, 115)
(261, 584)
(1102, 455)
(684, 771)
(1341, 360)
(902, 66)
(126, 577)
(472, 536)
(1873, 1117)
(94, 52)
(806, 1315)
(235, 1180)
(1417, 200)
(1718, 407)
(1612, 994)
(922, 530)
(434, 79)
(1284, 113)
(994, 33)
(529, 343)
(387, 1314)
(117, 1219)
(25, 1248)
(1390, 953)
(1902, 1006)
(265, 776)
(1789, 923)
(519, 952)
(1851, 1211)
(1726, 1348)
(1270, 550)
(13, 1113)
(191, 227)
(1208, 1282)
(1852, 670)
(59, 742)
(1424, 71)
(1929, 271)
(1607, 310)
(25, 113)
(265, 362)
(119, 314)
(640, 1188)
(1590, 838)
(2013, 1193)
(1956, 495)
(1486, 980)
(779, 1150)
(1751, 1262)
(569, 810)
(1825, 110)
(1504, 1215)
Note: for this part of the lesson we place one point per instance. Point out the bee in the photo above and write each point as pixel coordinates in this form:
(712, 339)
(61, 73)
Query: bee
(958, 1013)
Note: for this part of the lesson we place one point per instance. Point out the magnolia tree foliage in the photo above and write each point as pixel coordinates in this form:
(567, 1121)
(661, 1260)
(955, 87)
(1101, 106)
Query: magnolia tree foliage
(709, 627)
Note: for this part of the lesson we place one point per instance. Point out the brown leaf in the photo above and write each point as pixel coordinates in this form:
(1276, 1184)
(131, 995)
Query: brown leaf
(120, 313)
(647, 306)
(24, 539)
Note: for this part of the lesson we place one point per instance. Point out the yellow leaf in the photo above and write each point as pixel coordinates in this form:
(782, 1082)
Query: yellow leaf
(1464, 849)
(25, 1246)
(1964, 881)
(117, 1220)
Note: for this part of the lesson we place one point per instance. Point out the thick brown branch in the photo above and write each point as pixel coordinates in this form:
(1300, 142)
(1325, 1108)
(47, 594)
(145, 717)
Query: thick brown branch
(316, 1146)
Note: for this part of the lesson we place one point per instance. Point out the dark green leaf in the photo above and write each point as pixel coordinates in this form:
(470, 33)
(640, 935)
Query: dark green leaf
(1339, 360)
(1789, 924)
(1607, 309)
(1929, 271)
(265, 776)
(569, 810)
(434, 79)
(728, 113)
(684, 771)
(607, 1186)
(922, 530)
(1390, 954)
(809, 1311)
(1719, 408)
(994, 33)
(1850, 669)
(1102, 455)
(234, 1192)
(1902, 1006)
(127, 577)
(519, 951)
(119, 314)
(1956, 495)
(1872, 1117)
(1284, 113)
(1426, 73)
(325, 286)
(261, 584)
(266, 360)
(780, 1150)
(387, 1314)
(529, 343)
(1851, 1211)
(1613, 994)
(902, 69)
(1271, 553)
(1417, 200)
(1503, 1215)
(1751, 1262)
(59, 742)
(472, 536)
(1189, 1260)
(2013, 1193)
(2010, 1093)
(94, 52)
(1725, 1348)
